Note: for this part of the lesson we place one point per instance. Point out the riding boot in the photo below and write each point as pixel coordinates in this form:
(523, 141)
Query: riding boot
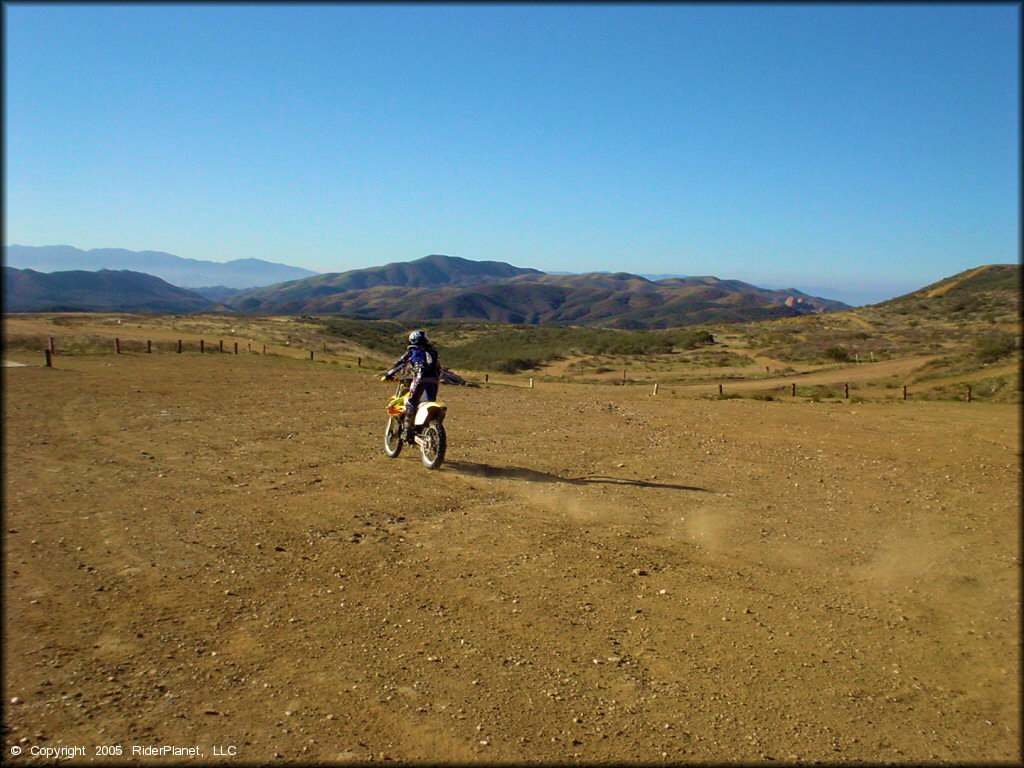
(408, 428)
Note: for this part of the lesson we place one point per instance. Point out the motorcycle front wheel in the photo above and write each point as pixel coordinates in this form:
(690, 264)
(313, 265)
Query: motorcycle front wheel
(393, 438)
(434, 444)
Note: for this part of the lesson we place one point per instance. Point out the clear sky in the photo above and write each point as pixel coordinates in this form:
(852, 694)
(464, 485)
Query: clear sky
(856, 151)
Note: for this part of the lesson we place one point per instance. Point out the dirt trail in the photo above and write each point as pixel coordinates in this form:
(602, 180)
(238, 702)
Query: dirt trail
(983, 373)
(837, 375)
(944, 289)
(213, 550)
(852, 315)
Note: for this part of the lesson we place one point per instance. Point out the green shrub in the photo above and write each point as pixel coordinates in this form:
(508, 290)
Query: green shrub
(515, 347)
(994, 346)
(515, 364)
(379, 335)
(838, 354)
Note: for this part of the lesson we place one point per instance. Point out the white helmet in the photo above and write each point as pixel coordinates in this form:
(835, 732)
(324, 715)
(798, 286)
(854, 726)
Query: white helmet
(418, 338)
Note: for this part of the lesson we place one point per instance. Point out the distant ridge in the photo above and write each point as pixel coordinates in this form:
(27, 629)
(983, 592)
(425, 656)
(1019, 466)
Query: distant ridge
(187, 273)
(26, 290)
(439, 287)
(434, 271)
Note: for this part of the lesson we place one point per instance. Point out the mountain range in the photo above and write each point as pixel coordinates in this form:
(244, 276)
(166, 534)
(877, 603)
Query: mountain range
(187, 273)
(435, 287)
(26, 290)
(441, 287)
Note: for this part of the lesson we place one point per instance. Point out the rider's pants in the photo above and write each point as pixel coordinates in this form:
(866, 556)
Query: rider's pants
(417, 389)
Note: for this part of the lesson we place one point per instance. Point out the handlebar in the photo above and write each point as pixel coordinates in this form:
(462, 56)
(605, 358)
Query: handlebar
(382, 376)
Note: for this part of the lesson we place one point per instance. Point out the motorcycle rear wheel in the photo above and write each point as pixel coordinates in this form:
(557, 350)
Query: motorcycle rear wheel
(434, 444)
(393, 438)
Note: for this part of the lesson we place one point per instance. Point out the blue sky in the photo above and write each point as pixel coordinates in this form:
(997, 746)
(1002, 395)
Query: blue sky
(853, 151)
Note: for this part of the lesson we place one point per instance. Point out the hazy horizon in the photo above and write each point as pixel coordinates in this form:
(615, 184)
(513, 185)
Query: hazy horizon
(850, 294)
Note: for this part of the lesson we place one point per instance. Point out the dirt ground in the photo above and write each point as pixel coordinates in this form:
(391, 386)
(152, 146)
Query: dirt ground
(214, 552)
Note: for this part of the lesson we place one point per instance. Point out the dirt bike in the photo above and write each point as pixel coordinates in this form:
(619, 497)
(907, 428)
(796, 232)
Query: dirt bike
(428, 426)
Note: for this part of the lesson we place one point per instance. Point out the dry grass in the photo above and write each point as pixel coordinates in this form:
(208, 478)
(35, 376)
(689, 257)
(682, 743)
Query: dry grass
(882, 351)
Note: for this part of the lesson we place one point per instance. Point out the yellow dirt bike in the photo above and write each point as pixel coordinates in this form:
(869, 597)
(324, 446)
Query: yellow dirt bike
(428, 426)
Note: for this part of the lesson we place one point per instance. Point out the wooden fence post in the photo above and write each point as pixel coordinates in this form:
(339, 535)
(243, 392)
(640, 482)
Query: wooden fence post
(359, 362)
(655, 388)
(846, 391)
(719, 389)
(222, 345)
(794, 390)
(531, 382)
(149, 346)
(311, 354)
(487, 378)
(904, 391)
(202, 346)
(179, 346)
(117, 345)
(49, 358)
(236, 347)
(264, 349)
(968, 393)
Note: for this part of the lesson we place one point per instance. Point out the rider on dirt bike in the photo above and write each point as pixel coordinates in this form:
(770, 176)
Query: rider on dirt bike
(422, 360)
